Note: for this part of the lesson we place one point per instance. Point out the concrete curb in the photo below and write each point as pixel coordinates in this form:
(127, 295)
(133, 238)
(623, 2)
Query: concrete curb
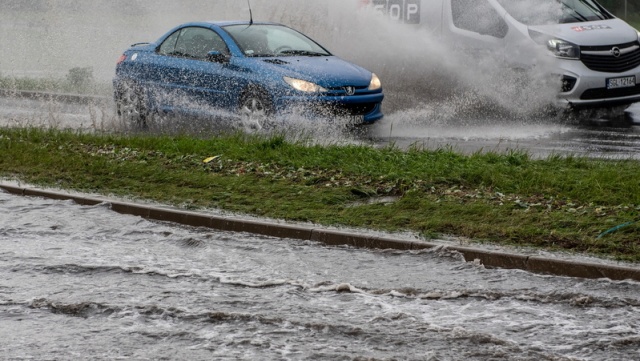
(489, 259)
(68, 98)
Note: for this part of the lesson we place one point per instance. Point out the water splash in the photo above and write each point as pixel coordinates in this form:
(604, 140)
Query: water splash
(425, 82)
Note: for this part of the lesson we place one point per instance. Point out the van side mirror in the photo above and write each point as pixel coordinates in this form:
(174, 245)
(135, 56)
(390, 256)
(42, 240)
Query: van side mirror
(217, 57)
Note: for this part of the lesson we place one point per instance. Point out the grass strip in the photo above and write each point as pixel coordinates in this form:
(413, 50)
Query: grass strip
(559, 203)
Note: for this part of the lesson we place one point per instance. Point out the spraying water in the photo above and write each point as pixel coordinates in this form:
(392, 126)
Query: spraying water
(424, 83)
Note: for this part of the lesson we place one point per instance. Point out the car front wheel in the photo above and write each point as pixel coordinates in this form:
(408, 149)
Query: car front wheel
(255, 110)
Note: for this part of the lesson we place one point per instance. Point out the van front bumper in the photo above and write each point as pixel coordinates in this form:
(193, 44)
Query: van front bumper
(588, 88)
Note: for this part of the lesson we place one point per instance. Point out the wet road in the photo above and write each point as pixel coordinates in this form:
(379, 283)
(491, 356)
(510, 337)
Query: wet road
(428, 128)
(88, 283)
(592, 136)
(47, 113)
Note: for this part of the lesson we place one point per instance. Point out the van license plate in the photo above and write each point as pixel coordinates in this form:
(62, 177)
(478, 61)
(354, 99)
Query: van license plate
(624, 82)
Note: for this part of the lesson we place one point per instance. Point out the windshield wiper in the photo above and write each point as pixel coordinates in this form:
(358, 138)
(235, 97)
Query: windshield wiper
(302, 52)
(596, 11)
(576, 15)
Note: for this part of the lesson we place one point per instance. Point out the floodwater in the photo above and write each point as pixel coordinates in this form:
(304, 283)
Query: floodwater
(83, 282)
(614, 138)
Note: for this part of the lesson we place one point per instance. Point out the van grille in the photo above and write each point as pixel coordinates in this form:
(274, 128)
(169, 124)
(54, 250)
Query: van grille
(601, 58)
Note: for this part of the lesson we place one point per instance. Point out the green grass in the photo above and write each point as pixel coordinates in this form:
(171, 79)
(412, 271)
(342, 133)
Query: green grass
(561, 203)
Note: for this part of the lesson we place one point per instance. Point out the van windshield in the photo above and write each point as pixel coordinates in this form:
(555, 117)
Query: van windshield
(546, 12)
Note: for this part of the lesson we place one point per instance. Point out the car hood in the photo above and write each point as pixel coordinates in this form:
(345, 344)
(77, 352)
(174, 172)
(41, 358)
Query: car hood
(593, 33)
(326, 71)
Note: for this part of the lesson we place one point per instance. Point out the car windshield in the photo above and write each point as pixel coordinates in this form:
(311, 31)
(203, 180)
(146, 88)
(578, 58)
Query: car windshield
(269, 40)
(546, 12)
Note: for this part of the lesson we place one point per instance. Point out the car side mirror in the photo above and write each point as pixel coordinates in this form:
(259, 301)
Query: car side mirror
(217, 57)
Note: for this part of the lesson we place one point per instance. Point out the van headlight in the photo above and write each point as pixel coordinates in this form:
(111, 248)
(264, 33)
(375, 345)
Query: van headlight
(563, 49)
(560, 48)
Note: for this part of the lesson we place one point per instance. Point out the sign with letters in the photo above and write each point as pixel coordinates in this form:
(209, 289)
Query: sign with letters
(406, 11)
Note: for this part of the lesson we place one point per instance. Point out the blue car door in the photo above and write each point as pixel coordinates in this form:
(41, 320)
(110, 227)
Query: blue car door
(185, 78)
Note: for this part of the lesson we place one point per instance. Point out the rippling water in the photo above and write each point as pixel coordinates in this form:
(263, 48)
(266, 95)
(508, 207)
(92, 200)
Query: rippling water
(87, 283)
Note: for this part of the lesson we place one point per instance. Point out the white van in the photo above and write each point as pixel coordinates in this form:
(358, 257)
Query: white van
(595, 55)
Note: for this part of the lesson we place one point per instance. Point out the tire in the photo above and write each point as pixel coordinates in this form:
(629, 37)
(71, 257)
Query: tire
(256, 110)
(131, 106)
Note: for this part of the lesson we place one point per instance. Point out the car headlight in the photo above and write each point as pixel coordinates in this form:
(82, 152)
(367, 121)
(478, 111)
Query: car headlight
(375, 83)
(304, 86)
(560, 48)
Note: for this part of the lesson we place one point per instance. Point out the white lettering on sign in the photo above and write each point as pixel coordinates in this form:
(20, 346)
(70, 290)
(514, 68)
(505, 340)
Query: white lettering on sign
(407, 11)
(395, 12)
(412, 10)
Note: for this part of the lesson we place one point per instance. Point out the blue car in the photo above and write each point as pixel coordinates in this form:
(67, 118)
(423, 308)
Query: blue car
(254, 71)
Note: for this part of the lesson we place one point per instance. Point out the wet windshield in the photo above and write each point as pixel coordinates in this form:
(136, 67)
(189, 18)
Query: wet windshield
(544, 12)
(273, 40)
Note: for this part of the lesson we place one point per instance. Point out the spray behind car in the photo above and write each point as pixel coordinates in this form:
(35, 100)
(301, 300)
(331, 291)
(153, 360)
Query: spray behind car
(592, 56)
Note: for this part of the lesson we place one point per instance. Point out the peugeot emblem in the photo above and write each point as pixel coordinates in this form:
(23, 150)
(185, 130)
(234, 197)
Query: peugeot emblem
(350, 90)
(616, 52)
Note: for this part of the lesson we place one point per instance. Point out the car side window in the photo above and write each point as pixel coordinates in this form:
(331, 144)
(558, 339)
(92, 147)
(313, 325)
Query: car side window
(168, 46)
(193, 43)
(478, 16)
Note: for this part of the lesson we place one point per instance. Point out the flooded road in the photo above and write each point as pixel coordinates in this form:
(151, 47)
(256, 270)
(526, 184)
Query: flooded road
(88, 283)
(592, 136)
(617, 138)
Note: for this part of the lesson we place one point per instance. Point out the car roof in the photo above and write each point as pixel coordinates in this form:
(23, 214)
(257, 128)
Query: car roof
(222, 23)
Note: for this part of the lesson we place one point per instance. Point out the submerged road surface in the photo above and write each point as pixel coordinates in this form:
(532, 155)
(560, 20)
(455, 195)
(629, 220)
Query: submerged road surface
(592, 135)
(88, 283)
(429, 128)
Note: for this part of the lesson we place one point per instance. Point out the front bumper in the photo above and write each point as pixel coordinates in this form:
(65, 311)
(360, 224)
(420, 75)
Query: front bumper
(589, 87)
(367, 107)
